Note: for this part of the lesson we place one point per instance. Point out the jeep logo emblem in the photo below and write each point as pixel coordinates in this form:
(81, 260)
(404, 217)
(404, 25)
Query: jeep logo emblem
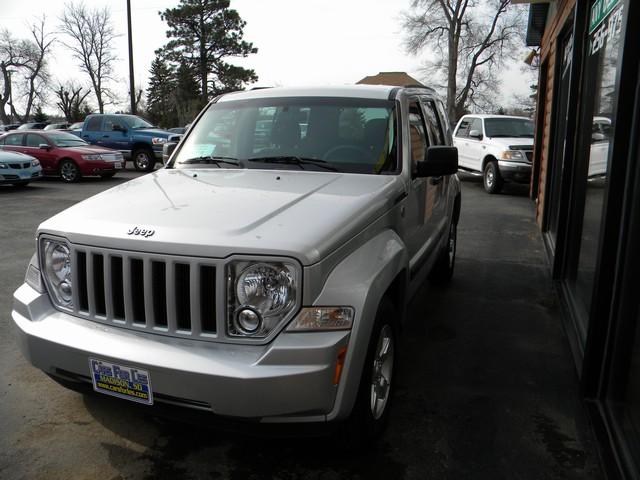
(141, 232)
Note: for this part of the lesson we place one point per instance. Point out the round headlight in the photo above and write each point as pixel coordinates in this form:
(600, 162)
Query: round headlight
(58, 270)
(268, 288)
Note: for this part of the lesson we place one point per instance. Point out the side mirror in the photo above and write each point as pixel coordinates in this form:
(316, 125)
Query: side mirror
(44, 146)
(438, 161)
(167, 150)
(476, 134)
(597, 137)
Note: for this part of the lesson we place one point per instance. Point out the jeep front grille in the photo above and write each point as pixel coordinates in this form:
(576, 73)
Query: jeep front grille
(167, 295)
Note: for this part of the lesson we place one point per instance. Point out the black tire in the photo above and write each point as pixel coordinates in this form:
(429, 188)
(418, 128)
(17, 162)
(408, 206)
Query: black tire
(368, 421)
(69, 171)
(21, 184)
(492, 179)
(443, 269)
(108, 175)
(143, 160)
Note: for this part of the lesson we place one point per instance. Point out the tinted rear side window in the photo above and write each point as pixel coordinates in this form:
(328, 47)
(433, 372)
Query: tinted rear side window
(463, 129)
(94, 124)
(14, 139)
(433, 122)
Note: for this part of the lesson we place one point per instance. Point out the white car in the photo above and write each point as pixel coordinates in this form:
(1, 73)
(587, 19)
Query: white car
(497, 146)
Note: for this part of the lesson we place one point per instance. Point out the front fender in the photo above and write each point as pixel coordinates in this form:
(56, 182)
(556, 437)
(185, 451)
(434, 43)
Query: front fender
(360, 281)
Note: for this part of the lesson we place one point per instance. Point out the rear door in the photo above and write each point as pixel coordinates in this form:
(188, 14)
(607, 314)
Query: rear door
(13, 142)
(460, 140)
(92, 130)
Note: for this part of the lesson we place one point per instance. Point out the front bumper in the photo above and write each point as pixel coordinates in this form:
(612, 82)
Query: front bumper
(98, 168)
(515, 171)
(9, 175)
(288, 380)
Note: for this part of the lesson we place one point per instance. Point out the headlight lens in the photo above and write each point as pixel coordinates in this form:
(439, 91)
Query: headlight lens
(57, 271)
(92, 157)
(260, 296)
(35, 163)
(512, 155)
(2, 165)
(158, 140)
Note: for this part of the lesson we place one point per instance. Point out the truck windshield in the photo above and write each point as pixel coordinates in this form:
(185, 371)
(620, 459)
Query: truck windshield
(508, 127)
(299, 133)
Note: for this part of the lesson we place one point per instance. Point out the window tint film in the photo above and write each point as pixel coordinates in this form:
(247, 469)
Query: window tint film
(94, 124)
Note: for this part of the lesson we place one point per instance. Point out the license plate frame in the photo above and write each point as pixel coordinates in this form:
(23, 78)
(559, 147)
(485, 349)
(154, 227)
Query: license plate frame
(121, 381)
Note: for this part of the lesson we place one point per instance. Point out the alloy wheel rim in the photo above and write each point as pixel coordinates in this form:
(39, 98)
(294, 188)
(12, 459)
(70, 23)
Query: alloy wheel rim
(68, 172)
(142, 160)
(382, 371)
(490, 178)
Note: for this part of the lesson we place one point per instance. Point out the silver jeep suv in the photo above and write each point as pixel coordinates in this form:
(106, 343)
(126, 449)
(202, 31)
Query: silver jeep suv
(265, 271)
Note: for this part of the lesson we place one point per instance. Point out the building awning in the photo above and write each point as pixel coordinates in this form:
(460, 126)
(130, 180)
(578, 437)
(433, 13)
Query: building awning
(537, 22)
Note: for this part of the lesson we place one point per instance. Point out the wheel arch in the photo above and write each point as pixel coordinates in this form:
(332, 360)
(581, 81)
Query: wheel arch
(378, 268)
(487, 159)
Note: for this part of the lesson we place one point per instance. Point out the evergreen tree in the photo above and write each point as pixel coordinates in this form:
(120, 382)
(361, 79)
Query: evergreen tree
(187, 95)
(203, 34)
(160, 94)
(39, 115)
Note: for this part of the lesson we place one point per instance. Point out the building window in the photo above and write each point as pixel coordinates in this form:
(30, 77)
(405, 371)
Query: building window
(604, 47)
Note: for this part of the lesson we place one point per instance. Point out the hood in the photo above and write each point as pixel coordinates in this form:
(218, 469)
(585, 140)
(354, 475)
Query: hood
(7, 157)
(151, 132)
(220, 212)
(88, 150)
(508, 142)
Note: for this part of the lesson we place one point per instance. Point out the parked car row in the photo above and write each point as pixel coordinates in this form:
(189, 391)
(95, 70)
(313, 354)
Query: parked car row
(59, 154)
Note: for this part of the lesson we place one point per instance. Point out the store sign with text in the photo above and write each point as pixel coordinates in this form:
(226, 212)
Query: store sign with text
(605, 23)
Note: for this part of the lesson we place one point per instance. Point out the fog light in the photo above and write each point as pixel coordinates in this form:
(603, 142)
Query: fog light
(248, 321)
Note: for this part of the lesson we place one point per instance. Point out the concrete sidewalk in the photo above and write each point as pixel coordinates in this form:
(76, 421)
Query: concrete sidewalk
(491, 391)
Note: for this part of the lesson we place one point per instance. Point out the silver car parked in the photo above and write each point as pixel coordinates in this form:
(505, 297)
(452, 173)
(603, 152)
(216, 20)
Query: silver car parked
(265, 271)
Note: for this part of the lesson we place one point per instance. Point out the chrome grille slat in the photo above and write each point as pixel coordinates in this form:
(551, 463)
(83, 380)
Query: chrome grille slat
(194, 282)
(90, 285)
(148, 294)
(124, 277)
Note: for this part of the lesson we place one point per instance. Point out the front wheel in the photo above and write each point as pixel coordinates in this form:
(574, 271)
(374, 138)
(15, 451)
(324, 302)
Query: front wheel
(69, 171)
(492, 178)
(143, 160)
(371, 410)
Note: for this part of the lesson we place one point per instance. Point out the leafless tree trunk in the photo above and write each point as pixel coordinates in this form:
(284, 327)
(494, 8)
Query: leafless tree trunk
(70, 97)
(469, 41)
(37, 75)
(91, 35)
(23, 70)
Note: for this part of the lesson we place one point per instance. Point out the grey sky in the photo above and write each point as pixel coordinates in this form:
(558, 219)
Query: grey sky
(310, 42)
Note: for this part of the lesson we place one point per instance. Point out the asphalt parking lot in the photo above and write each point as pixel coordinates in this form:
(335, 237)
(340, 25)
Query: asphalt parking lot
(486, 387)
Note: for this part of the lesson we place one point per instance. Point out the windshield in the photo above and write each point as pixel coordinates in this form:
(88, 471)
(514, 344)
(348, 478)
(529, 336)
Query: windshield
(305, 133)
(135, 122)
(508, 127)
(61, 139)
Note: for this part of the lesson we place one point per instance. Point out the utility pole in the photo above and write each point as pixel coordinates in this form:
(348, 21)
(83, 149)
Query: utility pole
(132, 89)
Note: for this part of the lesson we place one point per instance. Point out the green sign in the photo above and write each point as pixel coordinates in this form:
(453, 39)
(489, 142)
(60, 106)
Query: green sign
(599, 11)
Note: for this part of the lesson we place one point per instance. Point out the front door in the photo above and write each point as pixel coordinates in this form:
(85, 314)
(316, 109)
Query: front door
(46, 157)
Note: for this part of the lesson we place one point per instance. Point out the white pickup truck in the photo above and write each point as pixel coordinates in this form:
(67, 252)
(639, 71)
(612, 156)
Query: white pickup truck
(264, 272)
(498, 147)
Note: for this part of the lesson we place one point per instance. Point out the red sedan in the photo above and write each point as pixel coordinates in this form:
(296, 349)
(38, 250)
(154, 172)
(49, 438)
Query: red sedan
(63, 154)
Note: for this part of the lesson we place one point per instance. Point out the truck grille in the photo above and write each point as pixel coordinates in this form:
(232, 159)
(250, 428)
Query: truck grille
(167, 295)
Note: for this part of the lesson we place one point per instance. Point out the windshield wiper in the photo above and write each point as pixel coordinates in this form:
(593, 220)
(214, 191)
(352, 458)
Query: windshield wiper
(295, 160)
(216, 160)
